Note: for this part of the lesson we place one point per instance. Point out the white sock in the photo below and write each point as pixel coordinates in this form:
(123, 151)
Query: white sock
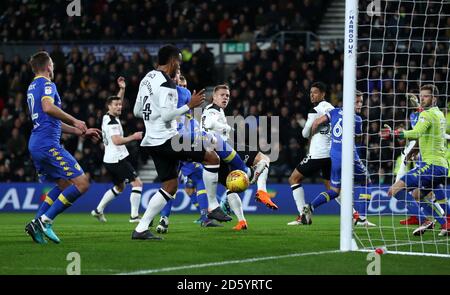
(236, 205)
(299, 197)
(155, 205)
(135, 200)
(107, 198)
(262, 179)
(45, 219)
(210, 178)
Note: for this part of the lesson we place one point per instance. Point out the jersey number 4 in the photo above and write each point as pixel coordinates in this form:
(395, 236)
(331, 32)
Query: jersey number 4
(146, 111)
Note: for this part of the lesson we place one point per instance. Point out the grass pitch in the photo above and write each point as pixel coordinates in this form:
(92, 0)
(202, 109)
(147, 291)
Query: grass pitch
(268, 247)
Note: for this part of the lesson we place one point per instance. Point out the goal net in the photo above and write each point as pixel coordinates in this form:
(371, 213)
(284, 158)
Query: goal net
(402, 45)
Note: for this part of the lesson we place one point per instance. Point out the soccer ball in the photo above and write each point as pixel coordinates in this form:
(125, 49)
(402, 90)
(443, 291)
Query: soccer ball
(237, 181)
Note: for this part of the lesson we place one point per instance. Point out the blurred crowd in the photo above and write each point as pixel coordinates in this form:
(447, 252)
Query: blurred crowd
(274, 81)
(238, 20)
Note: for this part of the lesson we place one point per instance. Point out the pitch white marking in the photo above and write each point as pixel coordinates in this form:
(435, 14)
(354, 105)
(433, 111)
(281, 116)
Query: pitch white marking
(240, 261)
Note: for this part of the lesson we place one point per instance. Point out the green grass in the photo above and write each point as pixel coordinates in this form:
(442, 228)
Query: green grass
(108, 249)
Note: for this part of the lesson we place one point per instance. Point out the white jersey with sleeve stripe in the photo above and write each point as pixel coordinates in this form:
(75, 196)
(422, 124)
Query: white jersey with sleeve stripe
(157, 94)
(320, 144)
(111, 126)
(214, 120)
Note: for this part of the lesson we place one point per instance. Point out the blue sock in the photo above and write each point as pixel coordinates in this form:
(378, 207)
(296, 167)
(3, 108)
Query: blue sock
(411, 204)
(441, 200)
(324, 197)
(202, 198)
(430, 208)
(194, 201)
(362, 196)
(50, 198)
(167, 208)
(227, 154)
(64, 201)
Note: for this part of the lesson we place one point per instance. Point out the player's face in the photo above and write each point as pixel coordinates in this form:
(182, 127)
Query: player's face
(426, 98)
(174, 66)
(183, 83)
(221, 97)
(115, 107)
(358, 104)
(177, 77)
(50, 69)
(315, 95)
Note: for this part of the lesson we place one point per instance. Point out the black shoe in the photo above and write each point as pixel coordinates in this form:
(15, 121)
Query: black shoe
(145, 235)
(210, 223)
(219, 215)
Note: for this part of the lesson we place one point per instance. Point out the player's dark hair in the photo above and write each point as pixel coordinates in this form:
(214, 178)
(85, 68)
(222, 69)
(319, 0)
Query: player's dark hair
(359, 93)
(112, 98)
(182, 78)
(166, 53)
(433, 89)
(319, 85)
(39, 61)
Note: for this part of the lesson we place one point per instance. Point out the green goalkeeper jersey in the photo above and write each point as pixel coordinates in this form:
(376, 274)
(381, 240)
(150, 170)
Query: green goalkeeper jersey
(430, 131)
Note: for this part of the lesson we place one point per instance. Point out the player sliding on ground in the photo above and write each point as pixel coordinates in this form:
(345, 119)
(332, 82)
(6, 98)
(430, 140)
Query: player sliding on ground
(52, 162)
(360, 173)
(433, 170)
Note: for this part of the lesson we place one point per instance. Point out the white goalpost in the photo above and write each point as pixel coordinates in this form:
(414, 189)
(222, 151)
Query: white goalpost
(392, 48)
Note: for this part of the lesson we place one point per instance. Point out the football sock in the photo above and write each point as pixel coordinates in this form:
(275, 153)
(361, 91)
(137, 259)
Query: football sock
(299, 197)
(50, 198)
(324, 197)
(236, 205)
(262, 179)
(210, 178)
(167, 208)
(135, 200)
(155, 205)
(411, 204)
(107, 198)
(64, 201)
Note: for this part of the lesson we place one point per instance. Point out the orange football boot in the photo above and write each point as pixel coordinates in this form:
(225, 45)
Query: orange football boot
(241, 225)
(263, 197)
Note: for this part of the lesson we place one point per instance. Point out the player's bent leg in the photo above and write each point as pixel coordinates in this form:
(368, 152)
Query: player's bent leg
(261, 173)
(322, 198)
(107, 198)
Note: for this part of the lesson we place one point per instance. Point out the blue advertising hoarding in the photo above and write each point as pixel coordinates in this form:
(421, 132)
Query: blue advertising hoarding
(26, 197)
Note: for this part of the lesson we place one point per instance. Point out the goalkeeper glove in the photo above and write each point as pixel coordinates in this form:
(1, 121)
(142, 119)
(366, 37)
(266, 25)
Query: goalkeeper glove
(414, 102)
(387, 133)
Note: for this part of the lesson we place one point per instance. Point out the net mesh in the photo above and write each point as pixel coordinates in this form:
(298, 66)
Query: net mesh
(402, 46)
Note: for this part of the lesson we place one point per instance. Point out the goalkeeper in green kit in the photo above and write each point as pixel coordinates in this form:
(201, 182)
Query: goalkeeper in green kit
(432, 172)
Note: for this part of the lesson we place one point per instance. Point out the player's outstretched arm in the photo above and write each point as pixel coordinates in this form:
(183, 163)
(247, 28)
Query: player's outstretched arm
(50, 109)
(122, 86)
(319, 121)
(90, 132)
(168, 114)
(120, 140)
